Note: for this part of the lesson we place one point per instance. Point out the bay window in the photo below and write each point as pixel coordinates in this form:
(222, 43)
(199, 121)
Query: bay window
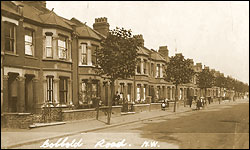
(89, 91)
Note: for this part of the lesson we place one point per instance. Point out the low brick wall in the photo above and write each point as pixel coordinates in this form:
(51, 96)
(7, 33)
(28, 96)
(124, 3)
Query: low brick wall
(155, 106)
(171, 105)
(80, 114)
(141, 108)
(53, 114)
(16, 120)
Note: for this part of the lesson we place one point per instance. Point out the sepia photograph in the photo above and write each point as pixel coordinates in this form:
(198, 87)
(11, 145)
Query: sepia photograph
(124, 74)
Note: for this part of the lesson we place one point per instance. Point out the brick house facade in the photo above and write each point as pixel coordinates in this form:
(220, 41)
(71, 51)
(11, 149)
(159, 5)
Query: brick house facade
(49, 60)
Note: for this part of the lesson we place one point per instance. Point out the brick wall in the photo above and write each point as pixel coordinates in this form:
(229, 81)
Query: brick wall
(141, 108)
(80, 114)
(155, 106)
(16, 120)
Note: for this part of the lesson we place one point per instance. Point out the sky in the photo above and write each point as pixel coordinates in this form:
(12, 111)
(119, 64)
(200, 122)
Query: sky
(213, 33)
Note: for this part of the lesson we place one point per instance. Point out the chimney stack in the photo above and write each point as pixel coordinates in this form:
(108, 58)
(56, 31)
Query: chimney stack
(140, 38)
(20, 9)
(101, 25)
(199, 66)
(163, 50)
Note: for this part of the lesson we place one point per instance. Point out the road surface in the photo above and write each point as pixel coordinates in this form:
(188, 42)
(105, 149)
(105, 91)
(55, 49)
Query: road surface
(217, 127)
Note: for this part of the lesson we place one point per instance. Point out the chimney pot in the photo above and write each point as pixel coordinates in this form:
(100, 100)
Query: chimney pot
(101, 25)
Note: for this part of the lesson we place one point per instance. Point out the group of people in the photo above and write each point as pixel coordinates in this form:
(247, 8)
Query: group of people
(118, 99)
(199, 102)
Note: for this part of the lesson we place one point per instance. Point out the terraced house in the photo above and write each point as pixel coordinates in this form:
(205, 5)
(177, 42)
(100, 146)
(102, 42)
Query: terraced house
(48, 60)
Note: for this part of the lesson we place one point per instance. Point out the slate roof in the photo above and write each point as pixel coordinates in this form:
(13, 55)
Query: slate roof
(85, 31)
(36, 13)
(9, 6)
(143, 50)
(156, 56)
(52, 18)
(29, 11)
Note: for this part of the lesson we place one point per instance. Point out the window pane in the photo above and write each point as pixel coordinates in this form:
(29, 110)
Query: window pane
(49, 89)
(12, 31)
(49, 51)
(48, 41)
(7, 30)
(84, 59)
(62, 53)
(28, 38)
(84, 48)
(9, 36)
(138, 93)
(28, 49)
(61, 43)
(7, 44)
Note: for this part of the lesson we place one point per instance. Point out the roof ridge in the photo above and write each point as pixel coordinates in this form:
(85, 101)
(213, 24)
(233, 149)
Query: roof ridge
(87, 29)
(55, 17)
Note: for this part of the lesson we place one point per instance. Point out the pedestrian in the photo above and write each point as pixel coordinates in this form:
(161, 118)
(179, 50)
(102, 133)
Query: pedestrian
(198, 103)
(190, 101)
(163, 105)
(116, 98)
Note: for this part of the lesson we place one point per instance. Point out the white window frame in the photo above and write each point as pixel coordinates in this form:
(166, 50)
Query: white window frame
(48, 46)
(8, 22)
(29, 42)
(62, 48)
(138, 93)
(83, 53)
(50, 88)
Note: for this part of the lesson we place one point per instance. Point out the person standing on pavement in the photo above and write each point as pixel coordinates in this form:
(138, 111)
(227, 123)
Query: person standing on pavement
(190, 101)
(116, 98)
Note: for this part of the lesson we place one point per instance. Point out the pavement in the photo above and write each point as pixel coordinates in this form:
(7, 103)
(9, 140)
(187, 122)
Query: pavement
(11, 138)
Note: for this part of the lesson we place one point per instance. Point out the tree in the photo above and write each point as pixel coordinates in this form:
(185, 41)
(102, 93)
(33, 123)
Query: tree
(117, 58)
(179, 71)
(220, 81)
(229, 83)
(205, 80)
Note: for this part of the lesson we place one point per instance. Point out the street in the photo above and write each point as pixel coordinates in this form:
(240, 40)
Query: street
(217, 127)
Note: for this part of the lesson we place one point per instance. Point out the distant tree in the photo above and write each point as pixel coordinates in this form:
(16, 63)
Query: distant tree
(117, 57)
(220, 81)
(205, 80)
(179, 71)
(229, 83)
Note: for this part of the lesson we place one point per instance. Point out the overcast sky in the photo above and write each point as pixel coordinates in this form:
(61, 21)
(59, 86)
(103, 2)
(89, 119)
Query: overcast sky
(213, 33)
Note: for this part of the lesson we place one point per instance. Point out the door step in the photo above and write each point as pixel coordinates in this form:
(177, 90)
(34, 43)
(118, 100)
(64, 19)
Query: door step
(37, 125)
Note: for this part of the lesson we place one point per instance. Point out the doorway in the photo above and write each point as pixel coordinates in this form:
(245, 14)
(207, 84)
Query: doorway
(29, 99)
(13, 92)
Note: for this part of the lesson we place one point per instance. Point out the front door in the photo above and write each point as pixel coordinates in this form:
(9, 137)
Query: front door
(29, 99)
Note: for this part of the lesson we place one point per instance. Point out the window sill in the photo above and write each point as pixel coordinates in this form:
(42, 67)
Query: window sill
(159, 77)
(11, 54)
(31, 57)
(142, 75)
(87, 66)
(57, 60)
